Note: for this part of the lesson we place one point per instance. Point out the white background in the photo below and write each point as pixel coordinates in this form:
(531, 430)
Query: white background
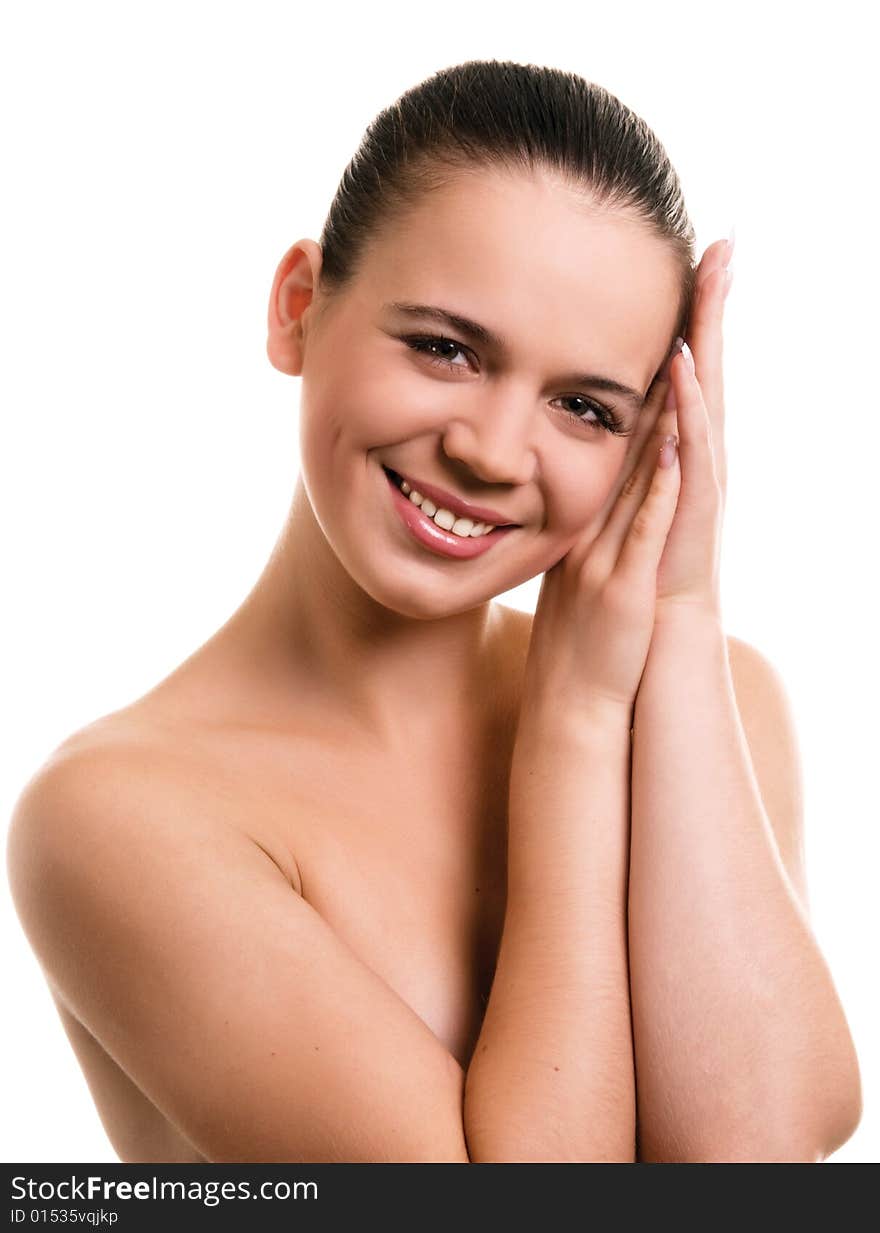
(158, 161)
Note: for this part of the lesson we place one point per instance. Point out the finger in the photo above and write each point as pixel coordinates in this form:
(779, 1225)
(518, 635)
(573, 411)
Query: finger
(609, 542)
(695, 429)
(706, 340)
(649, 417)
(715, 256)
(647, 421)
(646, 536)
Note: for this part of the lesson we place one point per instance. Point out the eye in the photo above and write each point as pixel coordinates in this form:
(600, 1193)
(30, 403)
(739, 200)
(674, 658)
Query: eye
(424, 343)
(607, 419)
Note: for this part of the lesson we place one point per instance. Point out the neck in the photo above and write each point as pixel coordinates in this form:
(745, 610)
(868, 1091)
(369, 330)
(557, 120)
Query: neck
(312, 635)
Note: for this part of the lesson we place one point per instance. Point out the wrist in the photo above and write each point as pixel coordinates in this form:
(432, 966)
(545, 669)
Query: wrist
(699, 616)
(685, 643)
(601, 723)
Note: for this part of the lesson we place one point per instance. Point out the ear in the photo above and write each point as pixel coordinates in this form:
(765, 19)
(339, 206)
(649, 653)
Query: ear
(292, 291)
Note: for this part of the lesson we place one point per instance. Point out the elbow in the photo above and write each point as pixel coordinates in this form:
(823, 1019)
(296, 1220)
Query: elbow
(812, 1132)
(841, 1111)
(842, 1123)
(804, 1137)
(819, 1111)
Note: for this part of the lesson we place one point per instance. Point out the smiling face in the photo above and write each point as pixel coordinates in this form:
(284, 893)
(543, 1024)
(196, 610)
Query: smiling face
(507, 420)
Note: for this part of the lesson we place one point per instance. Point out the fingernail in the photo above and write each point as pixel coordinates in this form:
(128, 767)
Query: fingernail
(668, 451)
(731, 240)
(688, 355)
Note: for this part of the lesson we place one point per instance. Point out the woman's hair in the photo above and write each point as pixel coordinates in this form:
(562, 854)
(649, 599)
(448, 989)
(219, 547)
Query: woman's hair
(487, 114)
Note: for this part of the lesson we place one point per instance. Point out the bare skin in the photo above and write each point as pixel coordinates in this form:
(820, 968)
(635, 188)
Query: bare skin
(356, 864)
(452, 913)
(354, 719)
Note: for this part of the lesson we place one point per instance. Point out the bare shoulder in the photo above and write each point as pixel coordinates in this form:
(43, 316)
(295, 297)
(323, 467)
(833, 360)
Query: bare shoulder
(108, 787)
(114, 761)
(138, 767)
(126, 782)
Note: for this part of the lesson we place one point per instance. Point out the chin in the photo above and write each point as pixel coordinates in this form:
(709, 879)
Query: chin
(422, 600)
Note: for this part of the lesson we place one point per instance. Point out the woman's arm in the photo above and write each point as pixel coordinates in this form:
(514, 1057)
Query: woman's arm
(742, 1049)
(551, 1078)
(181, 946)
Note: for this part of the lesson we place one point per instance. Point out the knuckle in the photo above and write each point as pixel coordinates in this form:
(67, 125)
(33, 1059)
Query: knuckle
(642, 526)
(630, 484)
(624, 598)
(616, 597)
(594, 572)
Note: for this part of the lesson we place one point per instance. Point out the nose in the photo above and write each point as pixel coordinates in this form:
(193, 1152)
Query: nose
(494, 438)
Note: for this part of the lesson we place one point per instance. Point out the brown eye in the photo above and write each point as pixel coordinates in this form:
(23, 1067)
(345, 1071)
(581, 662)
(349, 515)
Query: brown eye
(607, 418)
(425, 343)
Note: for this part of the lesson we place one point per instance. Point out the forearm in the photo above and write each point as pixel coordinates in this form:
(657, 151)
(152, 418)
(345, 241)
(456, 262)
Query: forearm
(740, 1041)
(551, 1077)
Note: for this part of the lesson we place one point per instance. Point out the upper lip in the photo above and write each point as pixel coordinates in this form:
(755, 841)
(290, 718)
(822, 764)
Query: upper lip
(445, 500)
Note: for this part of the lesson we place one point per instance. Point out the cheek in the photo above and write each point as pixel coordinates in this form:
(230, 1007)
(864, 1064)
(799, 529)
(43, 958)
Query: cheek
(577, 493)
(369, 404)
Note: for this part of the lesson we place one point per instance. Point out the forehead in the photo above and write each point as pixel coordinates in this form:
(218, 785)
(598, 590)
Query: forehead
(530, 259)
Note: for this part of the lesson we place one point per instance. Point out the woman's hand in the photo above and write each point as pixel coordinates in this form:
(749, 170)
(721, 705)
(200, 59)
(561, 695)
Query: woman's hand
(689, 570)
(595, 613)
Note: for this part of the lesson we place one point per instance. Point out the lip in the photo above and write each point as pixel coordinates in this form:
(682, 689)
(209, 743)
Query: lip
(425, 531)
(445, 500)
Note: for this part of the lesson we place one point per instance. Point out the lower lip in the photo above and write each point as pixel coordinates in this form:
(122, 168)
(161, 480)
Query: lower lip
(444, 543)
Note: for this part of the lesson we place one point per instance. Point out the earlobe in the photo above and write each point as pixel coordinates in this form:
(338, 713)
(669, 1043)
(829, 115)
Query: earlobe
(292, 292)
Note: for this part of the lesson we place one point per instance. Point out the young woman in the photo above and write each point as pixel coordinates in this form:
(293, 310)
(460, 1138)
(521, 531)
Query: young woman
(387, 871)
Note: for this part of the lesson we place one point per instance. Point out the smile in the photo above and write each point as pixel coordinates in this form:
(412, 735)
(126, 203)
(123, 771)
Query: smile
(440, 530)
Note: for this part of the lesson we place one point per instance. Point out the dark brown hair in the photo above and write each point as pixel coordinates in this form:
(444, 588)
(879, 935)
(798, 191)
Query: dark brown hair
(486, 114)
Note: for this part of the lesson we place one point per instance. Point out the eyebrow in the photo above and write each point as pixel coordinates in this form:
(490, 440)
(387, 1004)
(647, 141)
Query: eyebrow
(489, 338)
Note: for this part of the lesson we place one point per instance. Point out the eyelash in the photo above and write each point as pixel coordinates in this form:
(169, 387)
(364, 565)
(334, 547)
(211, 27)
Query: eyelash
(608, 420)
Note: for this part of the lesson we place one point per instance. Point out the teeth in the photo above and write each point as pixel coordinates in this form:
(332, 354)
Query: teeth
(465, 527)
